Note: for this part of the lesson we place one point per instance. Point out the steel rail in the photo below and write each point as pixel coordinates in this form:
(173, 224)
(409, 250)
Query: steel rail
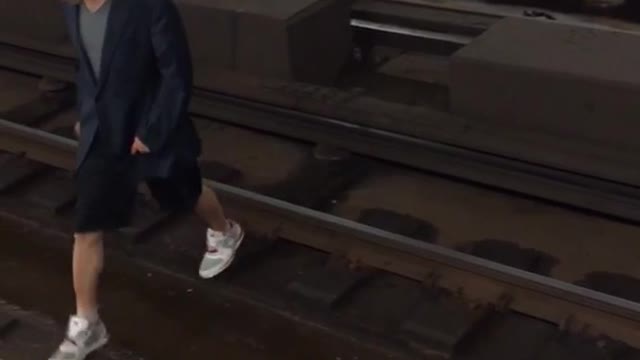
(581, 191)
(600, 22)
(559, 186)
(412, 32)
(480, 280)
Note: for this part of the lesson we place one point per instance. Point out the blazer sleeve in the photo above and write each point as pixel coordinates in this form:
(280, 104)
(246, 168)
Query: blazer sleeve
(173, 60)
(67, 11)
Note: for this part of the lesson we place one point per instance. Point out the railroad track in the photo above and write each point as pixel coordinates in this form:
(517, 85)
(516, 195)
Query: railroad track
(452, 24)
(21, 330)
(480, 288)
(506, 8)
(556, 185)
(454, 301)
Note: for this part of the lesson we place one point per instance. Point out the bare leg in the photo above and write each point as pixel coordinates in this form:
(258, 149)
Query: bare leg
(88, 259)
(210, 210)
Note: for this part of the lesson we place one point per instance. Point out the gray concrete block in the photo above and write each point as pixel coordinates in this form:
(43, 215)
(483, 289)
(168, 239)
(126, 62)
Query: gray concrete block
(32, 23)
(308, 40)
(549, 79)
(210, 33)
(303, 40)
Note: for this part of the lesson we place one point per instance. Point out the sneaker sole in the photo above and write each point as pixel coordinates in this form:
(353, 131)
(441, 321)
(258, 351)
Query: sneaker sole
(102, 342)
(209, 275)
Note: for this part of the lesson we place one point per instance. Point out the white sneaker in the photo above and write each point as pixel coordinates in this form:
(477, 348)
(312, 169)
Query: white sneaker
(82, 339)
(221, 250)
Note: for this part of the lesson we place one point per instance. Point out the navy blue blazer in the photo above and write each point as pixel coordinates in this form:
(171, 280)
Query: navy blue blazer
(144, 87)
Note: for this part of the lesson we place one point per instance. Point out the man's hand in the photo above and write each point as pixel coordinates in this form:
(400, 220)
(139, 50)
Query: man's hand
(76, 129)
(138, 147)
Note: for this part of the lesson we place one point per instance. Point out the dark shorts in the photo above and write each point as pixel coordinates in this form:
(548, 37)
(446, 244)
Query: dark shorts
(107, 189)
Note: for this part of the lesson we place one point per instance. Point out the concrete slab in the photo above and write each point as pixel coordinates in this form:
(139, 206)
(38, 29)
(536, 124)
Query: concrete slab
(66, 131)
(465, 214)
(317, 184)
(219, 172)
(433, 69)
(547, 78)
(270, 38)
(15, 89)
(18, 170)
(55, 192)
(41, 108)
(267, 38)
(262, 159)
(275, 9)
(45, 29)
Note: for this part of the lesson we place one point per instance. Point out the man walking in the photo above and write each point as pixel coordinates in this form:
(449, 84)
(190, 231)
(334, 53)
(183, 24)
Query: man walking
(134, 82)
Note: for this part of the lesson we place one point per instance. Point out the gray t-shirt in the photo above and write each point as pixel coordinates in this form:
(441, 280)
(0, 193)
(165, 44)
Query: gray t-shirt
(93, 28)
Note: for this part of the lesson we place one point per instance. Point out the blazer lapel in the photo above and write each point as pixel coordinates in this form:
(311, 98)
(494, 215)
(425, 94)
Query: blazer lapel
(116, 27)
(75, 23)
